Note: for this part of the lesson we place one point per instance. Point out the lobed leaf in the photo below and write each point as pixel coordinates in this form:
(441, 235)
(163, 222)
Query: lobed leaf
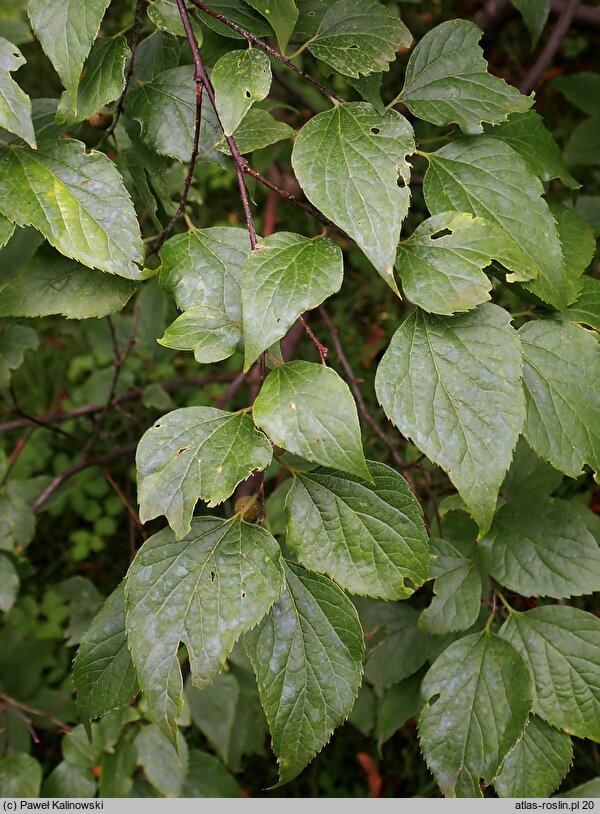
(446, 80)
(586, 308)
(441, 263)
(192, 453)
(359, 37)
(204, 591)
(15, 104)
(287, 275)
(487, 178)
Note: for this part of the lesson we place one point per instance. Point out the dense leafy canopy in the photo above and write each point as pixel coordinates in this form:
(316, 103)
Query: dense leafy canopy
(300, 390)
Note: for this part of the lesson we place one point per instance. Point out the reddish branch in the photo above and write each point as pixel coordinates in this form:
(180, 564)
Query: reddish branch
(9, 701)
(267, 48)
(543, 62)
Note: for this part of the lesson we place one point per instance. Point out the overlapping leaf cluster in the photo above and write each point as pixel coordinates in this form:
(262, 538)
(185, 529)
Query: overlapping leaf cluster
(505, 406)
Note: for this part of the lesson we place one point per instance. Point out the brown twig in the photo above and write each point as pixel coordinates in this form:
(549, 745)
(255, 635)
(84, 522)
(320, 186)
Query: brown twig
(135, 35)
(232, 389)
(287, 196)
(124, 500)
(321, 349)
(38, 421)
(535, 74)
(120, 359)
(362, 407)
(64, 476)
(190, 173)
(129, 395)
(267, 49)
(13, 702)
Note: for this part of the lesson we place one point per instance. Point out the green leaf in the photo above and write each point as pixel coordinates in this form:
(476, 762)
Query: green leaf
(17, 521)
(368, 537)
(307, 409)
(164, 765)
(207, 777)
(589, 789)
(15, 341)
(204, 268)
(6, 230)
(237, 12)
(561, 370)
(165, 14)
(117, 769)
(441, 262)
(257, 129)
(229, 714)
(487, 178)
(336, 158)
(195, 452)
(207, 331)
(457, 590)
(529, 475)
(15, 104)
(397, 704)
(477, 699)
(102, 80)
(76, 200)
(535, 14)
(199, 591)
(103, 673)
(287, 275)
(453, 385)
(20, 776)
(396, 647)
(240, 78)
(586, 308)
(165, 109)
(583, 145)
(66, 30)
(447, 81)
(537, 763)
(578, 247)
(580, 89)
(9, 587)
(52, 284)
(70, 781)
(281, 14)
(307, 655)
(561, 646)
(155, 54)
(526, 133)
(359, 37)
(541, 548)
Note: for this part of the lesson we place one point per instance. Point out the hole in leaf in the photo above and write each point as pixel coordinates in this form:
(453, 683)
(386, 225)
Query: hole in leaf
(248, 94)
(182, 450)
(157, 426)
(375, 130)
(243, 594)
(213, 576)
(401, 182)
(310, 14)
(433, 699)
(441, 233)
